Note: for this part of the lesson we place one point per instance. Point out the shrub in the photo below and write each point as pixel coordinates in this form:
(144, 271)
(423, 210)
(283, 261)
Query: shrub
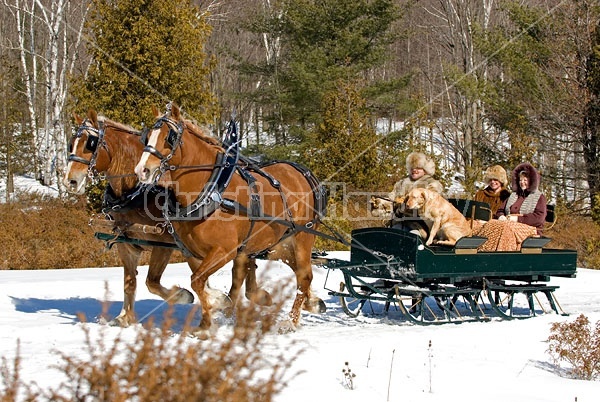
(577, 233)
(157, 365)
(577, 344)
(52, 233)
(55, 234)
(12, 385)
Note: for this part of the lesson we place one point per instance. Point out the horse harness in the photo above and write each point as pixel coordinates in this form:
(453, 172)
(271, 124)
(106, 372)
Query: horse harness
(95, 138)
(211, 197)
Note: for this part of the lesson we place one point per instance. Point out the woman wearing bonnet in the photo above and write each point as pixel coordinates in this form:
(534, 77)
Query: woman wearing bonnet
(526, 204)
(495, 192)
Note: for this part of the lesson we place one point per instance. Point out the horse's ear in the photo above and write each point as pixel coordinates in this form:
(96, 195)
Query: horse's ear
(93, 116)
(155, 111)
(175, 113)
(78, 119)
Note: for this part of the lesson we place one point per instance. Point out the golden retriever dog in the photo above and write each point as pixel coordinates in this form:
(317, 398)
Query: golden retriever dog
(449, 224)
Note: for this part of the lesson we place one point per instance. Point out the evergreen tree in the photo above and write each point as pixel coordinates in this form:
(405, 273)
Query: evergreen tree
(16, 150)
(145, 53)
(546, 92)
(513, 97)
(314, 45)
(343, 147)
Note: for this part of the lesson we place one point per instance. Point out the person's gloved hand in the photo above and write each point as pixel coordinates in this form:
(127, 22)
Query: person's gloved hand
(399, 206)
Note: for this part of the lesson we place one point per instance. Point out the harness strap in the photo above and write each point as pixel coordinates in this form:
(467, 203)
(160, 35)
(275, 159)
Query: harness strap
(235, 206)
(129, 200)
(210, 197)
(255, 208)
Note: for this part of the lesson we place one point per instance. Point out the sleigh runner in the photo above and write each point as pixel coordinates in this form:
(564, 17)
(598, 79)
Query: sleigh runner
(438, 284)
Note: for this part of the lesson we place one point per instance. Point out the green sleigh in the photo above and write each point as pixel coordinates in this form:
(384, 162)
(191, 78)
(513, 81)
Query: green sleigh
(440, 284)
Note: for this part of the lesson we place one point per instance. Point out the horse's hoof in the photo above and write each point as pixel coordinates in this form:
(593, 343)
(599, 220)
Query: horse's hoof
(202, 334)
(182, 296)
(315, 305)
(260, 297)
(120, 321)
(286, 327)
(219, 300)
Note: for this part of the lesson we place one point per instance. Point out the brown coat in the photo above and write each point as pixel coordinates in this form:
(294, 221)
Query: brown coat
(494, 199)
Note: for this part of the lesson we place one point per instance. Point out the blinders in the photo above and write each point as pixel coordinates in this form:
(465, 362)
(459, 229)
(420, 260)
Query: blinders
(92, 143)
(94, 137)
(172, 141)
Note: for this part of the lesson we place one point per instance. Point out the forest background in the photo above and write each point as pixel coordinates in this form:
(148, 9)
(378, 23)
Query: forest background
(346, 87)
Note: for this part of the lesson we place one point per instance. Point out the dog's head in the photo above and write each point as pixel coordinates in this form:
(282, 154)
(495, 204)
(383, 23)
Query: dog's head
(417, 197)
(380, 207)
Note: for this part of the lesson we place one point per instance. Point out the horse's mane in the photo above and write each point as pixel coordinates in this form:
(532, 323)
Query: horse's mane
(203, 132)
(119, 126)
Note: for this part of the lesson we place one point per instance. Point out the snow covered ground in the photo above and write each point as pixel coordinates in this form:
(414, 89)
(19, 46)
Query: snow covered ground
(28, 185)
(491, 361)
(391, 358)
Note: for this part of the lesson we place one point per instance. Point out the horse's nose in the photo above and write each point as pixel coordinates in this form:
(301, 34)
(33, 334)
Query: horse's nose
(145, 173)
(142, 172)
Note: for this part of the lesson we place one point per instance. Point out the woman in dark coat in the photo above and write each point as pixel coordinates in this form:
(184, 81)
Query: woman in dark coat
(526, 204)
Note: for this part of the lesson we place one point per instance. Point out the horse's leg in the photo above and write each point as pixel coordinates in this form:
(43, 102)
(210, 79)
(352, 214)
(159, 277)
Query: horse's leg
(159, 258)
(300, 261)
(239, 273)
(201, 270)
(129, 255)
(244, 269)
(253, 292)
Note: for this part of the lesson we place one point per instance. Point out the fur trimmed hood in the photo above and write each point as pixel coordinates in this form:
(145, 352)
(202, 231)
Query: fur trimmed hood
(496, 172)
(532, 174)
(420, 160)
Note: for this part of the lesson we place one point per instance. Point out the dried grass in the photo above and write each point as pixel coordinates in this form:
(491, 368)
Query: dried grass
(55, 234)
(158, 365)
(43, 233)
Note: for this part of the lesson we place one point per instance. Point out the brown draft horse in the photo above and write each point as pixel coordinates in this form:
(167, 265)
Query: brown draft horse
(102, 146)
(224, 234)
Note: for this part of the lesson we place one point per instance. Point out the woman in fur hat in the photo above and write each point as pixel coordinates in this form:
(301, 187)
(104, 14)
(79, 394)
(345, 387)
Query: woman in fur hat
(495, 193)
(420, 169)
(526, 204)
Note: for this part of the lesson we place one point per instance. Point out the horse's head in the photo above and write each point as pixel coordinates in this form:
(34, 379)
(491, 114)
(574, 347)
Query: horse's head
(84, 152)
(162, 144)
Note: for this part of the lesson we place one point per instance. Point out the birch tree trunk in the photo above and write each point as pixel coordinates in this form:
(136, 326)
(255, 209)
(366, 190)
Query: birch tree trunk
(48, 43)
